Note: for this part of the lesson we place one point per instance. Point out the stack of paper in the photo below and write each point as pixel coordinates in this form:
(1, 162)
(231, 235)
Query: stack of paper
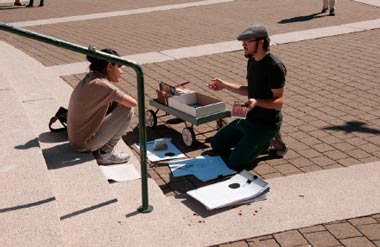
(171, 151)
(242, 188)
(205, 168)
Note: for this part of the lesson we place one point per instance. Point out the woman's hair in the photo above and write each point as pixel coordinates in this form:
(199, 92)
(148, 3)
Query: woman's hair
(100, 65)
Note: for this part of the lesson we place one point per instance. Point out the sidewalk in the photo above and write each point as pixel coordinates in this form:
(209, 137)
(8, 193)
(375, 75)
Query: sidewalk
(331, 116)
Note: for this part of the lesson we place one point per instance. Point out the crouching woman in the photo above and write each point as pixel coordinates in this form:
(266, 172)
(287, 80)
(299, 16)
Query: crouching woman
(99, 113)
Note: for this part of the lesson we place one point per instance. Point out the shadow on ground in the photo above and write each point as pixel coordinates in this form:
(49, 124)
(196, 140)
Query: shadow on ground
(302, 18)
(62, 154)
(354, 126)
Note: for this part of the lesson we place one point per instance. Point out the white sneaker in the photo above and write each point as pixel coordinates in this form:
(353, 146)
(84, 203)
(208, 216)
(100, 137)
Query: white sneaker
(112, 158)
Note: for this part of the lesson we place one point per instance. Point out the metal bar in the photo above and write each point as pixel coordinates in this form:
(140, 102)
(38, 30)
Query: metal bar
(145, 207)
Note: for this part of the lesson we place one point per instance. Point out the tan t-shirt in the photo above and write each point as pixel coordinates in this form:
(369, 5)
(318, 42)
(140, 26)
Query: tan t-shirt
(88, 107)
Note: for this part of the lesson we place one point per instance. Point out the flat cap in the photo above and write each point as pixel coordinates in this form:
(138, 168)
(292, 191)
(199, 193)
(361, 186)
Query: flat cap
(255, 31)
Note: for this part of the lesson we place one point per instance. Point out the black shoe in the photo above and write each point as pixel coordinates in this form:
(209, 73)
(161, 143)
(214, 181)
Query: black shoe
(19, 4)
(277, 147)
(324, 10)
(332, 12)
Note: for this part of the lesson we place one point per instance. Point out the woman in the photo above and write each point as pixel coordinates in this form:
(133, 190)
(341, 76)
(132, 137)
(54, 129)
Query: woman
(99, 113)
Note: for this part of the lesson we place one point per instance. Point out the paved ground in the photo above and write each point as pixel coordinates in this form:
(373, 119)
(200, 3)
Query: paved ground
(331, 115)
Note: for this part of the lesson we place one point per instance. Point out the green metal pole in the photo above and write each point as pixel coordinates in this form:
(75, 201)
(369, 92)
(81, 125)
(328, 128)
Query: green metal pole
(145, 207)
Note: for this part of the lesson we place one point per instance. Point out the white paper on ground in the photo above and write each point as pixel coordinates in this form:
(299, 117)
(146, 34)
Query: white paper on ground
(172, 152)
(241, 188)
(205, 168)
(120, 173)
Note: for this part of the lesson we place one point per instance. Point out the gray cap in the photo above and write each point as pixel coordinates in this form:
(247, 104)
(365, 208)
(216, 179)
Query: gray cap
(255, 31)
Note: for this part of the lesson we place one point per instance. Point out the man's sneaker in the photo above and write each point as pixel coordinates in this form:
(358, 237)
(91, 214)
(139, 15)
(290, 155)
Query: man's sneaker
(111, 158)
(277, 147)
(332, 12)
(324, 10)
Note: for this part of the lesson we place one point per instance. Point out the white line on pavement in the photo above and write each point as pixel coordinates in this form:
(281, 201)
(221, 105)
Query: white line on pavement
(209, 49)
(116, 13)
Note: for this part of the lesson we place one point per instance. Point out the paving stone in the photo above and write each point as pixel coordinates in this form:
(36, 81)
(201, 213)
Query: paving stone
(321, 239)
(301, 162)
(318, 228)
(323, 161)
(343, 230)
(371, 231)
(336, 155)
(235, 244)
(356, 242)
(362, 221)
(287, 169)
(290, 238)
(348, 161)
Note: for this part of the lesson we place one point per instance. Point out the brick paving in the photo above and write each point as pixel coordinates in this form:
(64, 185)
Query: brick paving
(358, 232)
(188, 27)
(331, 115)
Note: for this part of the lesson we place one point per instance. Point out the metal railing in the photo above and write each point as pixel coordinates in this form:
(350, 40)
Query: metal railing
(145, 207)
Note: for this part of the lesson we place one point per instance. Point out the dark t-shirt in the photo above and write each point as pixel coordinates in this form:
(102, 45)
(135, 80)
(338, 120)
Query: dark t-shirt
(263, 76)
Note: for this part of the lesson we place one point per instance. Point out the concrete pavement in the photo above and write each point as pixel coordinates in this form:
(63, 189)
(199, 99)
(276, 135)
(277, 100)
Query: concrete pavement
(331, 114)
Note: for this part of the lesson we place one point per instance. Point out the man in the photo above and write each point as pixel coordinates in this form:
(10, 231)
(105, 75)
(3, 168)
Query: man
(242, 140)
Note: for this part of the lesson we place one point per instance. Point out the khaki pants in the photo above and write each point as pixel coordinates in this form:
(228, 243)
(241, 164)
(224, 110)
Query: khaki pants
(113, 127)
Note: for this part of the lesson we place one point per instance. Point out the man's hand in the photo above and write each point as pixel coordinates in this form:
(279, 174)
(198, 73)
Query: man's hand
(250, 104)
(216, 84)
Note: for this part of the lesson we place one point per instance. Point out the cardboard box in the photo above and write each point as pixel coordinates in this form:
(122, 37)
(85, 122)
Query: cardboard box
(196, 104)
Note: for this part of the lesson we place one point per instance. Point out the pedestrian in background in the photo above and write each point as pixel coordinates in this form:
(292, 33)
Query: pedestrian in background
(31, 2)
(329, 4)
(18, 3)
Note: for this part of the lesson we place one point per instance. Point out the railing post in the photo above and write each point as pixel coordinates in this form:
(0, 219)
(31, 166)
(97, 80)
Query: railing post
(145, 207)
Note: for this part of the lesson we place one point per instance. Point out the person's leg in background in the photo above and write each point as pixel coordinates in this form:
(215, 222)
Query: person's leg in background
(30, 4)
(18, 3)
(325, 6)
(329, 4)
(332, 7)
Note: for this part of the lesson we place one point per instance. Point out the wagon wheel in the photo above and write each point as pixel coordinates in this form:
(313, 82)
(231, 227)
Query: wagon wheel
(151, 118)
(188, 136)
(220, 123)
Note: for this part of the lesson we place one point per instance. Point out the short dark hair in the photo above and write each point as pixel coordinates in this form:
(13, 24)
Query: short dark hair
(100, 65)
(266, 44)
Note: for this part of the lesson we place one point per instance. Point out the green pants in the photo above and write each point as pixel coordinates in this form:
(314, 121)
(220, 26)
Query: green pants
(240, 142)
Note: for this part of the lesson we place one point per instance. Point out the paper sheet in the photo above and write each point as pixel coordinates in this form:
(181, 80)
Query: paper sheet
(205, 168)
(120, 173)
(241, 188)
(172, 152)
